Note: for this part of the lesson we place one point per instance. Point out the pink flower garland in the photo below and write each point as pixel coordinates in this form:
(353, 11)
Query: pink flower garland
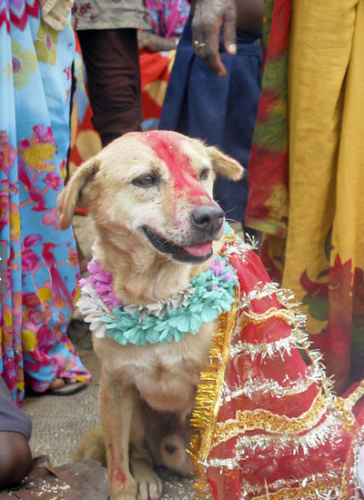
(101, 281)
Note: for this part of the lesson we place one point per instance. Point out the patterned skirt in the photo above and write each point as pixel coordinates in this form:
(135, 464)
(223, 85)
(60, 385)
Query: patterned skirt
(39, 261)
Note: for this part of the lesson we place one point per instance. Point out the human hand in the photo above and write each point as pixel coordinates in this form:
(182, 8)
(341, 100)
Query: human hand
(208, 17)
(155, 43)
(142, 39)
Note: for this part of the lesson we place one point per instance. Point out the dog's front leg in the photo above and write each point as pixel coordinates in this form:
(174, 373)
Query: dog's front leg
(116, 411)
(149, 485)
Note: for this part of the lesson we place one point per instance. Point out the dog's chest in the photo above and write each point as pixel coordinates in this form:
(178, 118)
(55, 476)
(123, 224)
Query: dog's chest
(166, 375)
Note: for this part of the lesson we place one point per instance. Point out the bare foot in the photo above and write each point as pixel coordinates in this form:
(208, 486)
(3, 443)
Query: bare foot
(57, 383)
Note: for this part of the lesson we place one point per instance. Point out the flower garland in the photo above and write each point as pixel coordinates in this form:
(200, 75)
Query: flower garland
(208, 295)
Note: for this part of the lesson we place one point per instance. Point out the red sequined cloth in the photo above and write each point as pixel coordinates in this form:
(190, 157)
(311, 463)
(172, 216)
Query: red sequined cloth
(269, 425)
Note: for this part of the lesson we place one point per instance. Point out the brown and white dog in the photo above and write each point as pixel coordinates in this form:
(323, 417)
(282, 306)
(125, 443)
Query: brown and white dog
(150, 195)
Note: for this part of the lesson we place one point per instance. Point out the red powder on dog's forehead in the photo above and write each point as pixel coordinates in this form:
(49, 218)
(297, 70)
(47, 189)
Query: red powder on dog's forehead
(168, 147)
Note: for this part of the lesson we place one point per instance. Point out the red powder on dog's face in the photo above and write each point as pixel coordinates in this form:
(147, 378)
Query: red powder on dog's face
(167, 147)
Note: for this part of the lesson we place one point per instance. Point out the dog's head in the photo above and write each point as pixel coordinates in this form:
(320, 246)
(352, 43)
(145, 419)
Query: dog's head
(157, 185)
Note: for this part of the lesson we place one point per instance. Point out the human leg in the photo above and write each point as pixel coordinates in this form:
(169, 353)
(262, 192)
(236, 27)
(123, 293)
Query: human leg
(112, 63)
(15, 458)
(15, 428)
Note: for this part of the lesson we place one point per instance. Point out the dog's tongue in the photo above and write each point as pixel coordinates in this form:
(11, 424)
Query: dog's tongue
(199, 250)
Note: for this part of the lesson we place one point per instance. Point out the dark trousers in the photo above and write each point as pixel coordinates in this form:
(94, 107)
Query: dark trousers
(112, 63)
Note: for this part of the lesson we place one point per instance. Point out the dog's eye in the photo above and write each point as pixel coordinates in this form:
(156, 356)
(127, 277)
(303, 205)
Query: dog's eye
(204, 174)
(146, 181)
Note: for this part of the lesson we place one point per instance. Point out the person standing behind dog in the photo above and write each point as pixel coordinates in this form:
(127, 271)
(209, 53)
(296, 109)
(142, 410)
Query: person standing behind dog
(219, 108)
(107, 32)
(157, 53)
(41, 269)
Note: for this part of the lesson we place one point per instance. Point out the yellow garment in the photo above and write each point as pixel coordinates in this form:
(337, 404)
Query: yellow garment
(323, 254)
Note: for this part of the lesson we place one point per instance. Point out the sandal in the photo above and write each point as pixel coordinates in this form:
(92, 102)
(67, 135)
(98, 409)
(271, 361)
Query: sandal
(70, 387)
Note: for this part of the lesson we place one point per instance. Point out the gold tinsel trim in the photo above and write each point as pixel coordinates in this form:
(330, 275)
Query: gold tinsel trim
(268, 349)
(343, 410)
(284, 445)
(257, 318)
(333, 476)
(322, 488)
(354, 477)
(355, 395)
(270, 386)
(208, 398)
(270, 422)
(235, 247)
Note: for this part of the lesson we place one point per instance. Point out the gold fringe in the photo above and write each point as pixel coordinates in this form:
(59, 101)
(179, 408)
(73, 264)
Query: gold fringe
(355, 395)
(265, 420)
(308, 492)
(343, 409)
(257, 318)
(208, 399)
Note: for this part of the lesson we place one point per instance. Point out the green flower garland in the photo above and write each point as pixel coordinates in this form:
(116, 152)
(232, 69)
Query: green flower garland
(214, 292)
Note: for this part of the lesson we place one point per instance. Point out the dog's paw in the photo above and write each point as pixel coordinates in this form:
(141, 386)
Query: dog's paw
(149, 489)
(125, 491)
(149, 485)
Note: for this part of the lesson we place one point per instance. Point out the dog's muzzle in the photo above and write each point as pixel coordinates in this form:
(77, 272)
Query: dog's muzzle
(207, 222)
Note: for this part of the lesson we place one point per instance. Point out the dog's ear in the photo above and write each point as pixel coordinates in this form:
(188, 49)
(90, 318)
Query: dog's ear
(70, 196)
(225, 165)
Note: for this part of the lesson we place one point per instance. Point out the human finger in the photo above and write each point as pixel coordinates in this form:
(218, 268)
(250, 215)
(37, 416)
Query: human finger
(229, 30)
(206, 43)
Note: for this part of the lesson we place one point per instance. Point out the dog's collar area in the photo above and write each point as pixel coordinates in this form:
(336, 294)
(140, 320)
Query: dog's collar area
(204, 248)
(210, 293)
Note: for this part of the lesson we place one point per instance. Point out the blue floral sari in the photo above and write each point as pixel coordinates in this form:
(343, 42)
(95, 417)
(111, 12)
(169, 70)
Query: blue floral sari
(39, 288)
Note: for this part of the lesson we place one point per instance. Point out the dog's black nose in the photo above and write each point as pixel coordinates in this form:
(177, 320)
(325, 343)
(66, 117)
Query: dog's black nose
(208, 219)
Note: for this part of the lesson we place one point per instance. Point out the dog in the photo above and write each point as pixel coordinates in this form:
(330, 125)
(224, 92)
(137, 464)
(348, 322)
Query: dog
(157, 225)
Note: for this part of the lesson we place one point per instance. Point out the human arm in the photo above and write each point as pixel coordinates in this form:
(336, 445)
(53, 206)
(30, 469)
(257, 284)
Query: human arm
(15, 429)
(15, 459)
(155, 43)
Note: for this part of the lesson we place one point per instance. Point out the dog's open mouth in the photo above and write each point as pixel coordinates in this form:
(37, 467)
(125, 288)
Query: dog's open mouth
(190, 253)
